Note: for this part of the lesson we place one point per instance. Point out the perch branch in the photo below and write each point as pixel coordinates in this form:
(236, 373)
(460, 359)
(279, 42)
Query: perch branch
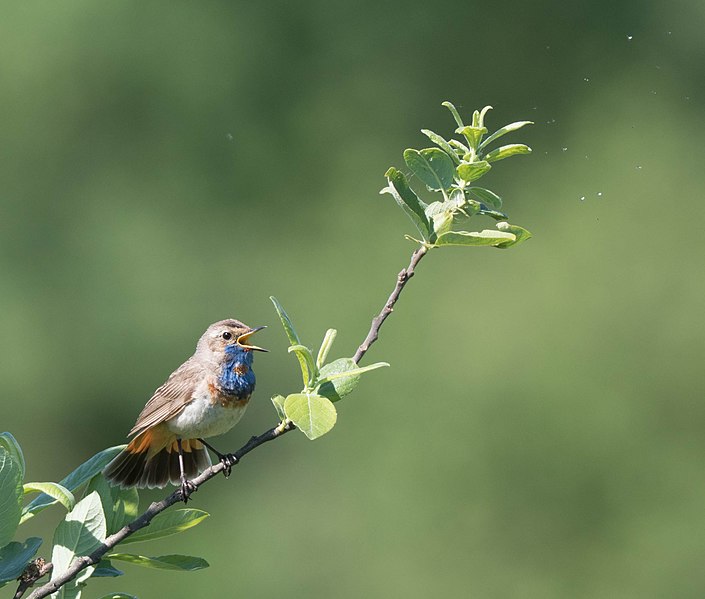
(84, 561)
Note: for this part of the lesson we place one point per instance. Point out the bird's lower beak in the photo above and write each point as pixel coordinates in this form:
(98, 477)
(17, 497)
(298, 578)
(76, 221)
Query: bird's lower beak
(242, 340)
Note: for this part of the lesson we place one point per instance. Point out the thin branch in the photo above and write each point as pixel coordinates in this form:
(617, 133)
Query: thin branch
(378, 320)
(82, 562)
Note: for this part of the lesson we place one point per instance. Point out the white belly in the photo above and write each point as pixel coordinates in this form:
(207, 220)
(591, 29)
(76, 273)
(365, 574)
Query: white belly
(201, 418)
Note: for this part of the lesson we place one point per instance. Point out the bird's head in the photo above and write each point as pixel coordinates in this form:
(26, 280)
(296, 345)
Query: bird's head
(228, 333)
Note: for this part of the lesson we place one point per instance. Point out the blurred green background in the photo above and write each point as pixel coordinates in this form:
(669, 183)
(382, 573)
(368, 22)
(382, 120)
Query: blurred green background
(542, 429)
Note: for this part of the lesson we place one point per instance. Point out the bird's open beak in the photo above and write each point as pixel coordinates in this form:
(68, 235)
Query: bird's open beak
(242, 340)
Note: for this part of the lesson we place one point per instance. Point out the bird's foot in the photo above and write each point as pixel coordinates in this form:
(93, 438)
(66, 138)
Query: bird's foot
(187, 487)
(228, 461)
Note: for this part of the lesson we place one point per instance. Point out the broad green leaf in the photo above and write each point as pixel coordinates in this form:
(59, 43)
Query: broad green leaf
(104, 569)
(308, 366)
(342, 376)
(168, 523)
(10, 496)
(55, 491)
(15, 556)
(286, 322)
(278, 401)
(473, 135)
(454, 112)
(432, 166)
(326, 344)
(504, 130)
(399, 189)
(441, 215)
(80, 533)
(471, 171)
(336, 389)
(120, 506)
(474, 238)
(13, 448)
(520, 233)
(312, 414)
(487, 197)
(73, 481)
(442, 143)
(162, 562)
(506, 151)
(118, 595)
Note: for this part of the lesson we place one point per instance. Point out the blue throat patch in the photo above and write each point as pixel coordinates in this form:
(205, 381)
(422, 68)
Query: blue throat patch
(237, 377)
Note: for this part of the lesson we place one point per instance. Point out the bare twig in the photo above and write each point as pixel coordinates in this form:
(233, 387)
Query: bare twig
(84, 561)
(378, 320)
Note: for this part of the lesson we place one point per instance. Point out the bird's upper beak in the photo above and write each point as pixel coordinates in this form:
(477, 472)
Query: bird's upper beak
(242, 340)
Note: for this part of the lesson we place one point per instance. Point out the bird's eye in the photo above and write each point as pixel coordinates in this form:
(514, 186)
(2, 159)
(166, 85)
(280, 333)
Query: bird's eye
(227, 335)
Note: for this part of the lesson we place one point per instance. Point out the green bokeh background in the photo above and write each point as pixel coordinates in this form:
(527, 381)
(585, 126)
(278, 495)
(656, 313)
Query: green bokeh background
(542, 429)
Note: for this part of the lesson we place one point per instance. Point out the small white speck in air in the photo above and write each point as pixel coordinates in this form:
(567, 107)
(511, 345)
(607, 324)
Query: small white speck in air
(564, 149)
(582, 198)
(638, 167)
(599, 194)
(630, 37)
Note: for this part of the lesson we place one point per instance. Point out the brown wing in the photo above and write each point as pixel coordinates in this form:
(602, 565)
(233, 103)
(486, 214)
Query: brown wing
(171, 397)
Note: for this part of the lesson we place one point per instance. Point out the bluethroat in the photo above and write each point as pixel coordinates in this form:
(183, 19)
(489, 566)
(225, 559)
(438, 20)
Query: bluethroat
(205, 396)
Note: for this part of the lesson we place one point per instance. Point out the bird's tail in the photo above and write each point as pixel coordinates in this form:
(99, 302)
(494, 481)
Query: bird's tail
(151, 460)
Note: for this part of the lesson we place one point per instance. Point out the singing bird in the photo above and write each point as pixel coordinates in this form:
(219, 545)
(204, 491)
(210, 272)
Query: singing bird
(206, 396)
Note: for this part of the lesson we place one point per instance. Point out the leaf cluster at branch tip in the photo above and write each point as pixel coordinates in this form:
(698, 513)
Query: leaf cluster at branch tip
(450, 170)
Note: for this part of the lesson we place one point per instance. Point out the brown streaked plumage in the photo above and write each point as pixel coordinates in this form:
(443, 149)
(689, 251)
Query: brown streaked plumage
(205, 396)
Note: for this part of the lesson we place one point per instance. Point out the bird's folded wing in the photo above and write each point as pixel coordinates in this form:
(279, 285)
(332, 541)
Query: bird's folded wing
(171, 397)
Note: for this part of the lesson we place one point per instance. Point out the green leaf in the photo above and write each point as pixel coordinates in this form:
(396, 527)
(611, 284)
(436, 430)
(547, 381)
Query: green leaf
(471, 171)
(118, 595)
(399, 189)
(168, 523)
(487, 197)
(184, 563)
(13, 448)
(432, 166)
(481, 117)
(15, 556)
(504, 130)
(454, 112)
(312, 414)
(54, 490)
(336, 389)
(473, 135)
(278, 401)
(506, 151)
(293, 339)
(79, 476)
(80, 533)
(286, 322)
(10, 496)
(104, 569)
(441, 215)
(309, 371)
(326, 344)
(520, 233)
(342, 376)
(442, 143)
(120, 506)
(474, 238)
